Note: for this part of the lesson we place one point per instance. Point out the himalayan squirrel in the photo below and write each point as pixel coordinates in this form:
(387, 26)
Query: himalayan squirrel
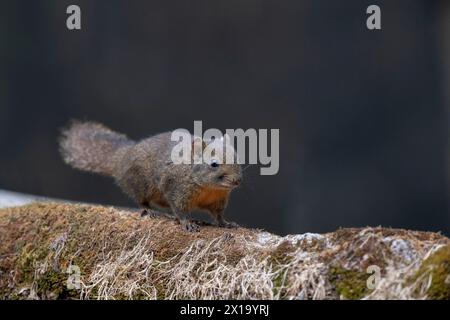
(145, 171)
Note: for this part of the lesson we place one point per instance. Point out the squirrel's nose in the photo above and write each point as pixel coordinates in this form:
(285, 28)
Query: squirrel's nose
(237, 181)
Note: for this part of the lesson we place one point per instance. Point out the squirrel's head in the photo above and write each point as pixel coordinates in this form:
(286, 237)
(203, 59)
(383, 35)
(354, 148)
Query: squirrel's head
(219, 168)
(218, 175)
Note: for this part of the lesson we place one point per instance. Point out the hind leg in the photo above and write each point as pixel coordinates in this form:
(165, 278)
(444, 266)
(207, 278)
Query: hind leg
(148, 211)
(152, 211)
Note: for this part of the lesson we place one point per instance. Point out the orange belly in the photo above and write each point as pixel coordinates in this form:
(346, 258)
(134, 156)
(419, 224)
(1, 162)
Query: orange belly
(209, 196)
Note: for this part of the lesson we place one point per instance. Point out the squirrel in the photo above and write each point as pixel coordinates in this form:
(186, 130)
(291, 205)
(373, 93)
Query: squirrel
(145, 172)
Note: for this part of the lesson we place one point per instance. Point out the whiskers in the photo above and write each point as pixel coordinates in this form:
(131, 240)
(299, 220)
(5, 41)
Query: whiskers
(247, 185)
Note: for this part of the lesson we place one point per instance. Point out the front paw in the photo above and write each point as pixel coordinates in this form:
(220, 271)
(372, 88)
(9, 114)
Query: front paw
(228, 224)
(190, 226)
(149, 213)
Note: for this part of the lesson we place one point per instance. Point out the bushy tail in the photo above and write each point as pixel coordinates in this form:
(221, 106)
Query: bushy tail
(90, 146)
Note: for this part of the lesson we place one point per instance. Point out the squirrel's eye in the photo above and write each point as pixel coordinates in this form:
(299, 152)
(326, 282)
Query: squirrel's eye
(214, 164)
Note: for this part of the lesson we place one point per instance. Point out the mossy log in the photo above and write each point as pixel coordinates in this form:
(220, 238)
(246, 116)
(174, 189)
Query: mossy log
(68, 251)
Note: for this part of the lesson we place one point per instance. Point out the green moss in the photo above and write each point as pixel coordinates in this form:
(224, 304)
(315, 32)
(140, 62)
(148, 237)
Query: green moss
(350, 284)
(160, 292)
(279, 283)
(438, 266)
(54, 284)
(26, 263)
(279, 258)
(50, 283)
(281, 254)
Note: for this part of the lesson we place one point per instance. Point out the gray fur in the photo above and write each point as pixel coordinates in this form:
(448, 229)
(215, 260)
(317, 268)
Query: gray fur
(145, 172)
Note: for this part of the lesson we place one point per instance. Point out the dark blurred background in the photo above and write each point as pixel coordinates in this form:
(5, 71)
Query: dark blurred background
(363, 115)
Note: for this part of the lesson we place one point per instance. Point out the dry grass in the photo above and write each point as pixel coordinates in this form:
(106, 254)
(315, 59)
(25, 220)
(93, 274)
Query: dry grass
(122, 256)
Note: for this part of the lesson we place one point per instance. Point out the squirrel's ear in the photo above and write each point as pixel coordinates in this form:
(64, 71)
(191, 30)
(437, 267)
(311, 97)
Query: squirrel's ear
(199, 141)
(198, 145)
